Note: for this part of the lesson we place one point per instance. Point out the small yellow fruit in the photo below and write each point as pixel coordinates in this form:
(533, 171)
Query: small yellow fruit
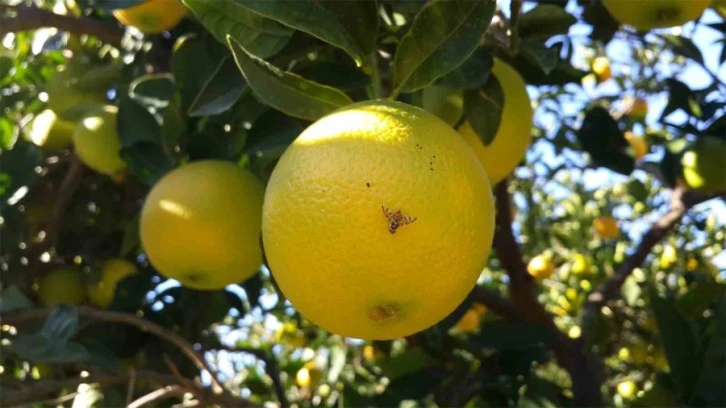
(446, 103)
(97, 142)
(289, 335)
(515, 128)
(377, 199)
(541, 267)
(62, 285)
(691, 264)
(41, 372)
(606, 226)
(470, 321)
(50, 132)
(628, 389)
(601, 68)
(152, 16)
(113, 271)
(637, 108)
(574, 332)
(669, 257)
(200, 225)
(648, 14)
(308, 376)
(580, 265)
(638, 144)
(703, 165)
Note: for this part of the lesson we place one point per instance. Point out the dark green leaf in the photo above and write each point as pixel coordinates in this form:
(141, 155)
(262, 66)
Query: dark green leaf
(135, 124)
(253, 289)
(709, 389)
(442, 36)
(539, 55)
(604, 26)
(511, 335)
(62, 323)
(545, 21)
(540, 393)
(684, 46)
(360, 18)
(193, 63)
(19, 164)
(324, 21)
(13, 299)
(214, 142)
(483, 108)
(221, 91)
(473, 73)
(680, 97)
(410, 387)
(153, 90)
(131, 239)
(147, 161)
(271, 134)
(261, 36)
(670, 166)
(601, 137)
(287, 92)
(681, 341)
(410, 361)
(343, 77)
(40, 349)
(173, 124)
(700, 297)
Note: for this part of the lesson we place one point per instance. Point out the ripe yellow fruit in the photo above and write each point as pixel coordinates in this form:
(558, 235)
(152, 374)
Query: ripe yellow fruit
(62, 285)
(703, 165)
(97, 142)
(471, 320)
(636, 108)
(384, 205)
(648, 14)
(692, 264)
(628, 389)
(152, 16)
(606, 226)
(113, 271)
(50, 132)
(515, 128)
(446, 103)
(601, 68)
(289, 335)
(541, 267)
(80, 86)
(638, 144)
(201, 223)
(669, 257)
(580, 265)
(308, 376)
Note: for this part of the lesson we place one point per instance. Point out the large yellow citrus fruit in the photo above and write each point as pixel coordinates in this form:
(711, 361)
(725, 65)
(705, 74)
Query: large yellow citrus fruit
(62, 285)
(515, 128)
(80, 86)
(201, 225)
(50, 132)
(152, 16)
(113, 271)
(703, 165)
(97, 142)
(377, 221)
(648, 14)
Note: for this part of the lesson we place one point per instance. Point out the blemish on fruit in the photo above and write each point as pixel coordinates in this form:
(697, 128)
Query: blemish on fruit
(396, 219)
(195, 277)
(368, 184)
(384, 312)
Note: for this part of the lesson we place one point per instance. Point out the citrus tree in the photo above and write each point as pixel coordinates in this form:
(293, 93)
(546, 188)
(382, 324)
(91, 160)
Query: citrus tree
(362, 203)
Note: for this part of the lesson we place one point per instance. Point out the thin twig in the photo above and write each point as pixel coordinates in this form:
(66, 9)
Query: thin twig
(272, 368)
(515, 8)
(32, 18)
(131, 386)
(161, 394)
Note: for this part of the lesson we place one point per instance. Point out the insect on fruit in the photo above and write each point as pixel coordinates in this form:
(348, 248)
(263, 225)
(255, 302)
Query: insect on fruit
(396, 219)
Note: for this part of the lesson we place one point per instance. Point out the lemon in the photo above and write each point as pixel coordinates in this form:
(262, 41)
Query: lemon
(541, 267)
(606, 226)
(113, 271)
(152, 16)
(515, 128)
(638, 144)
(51, 133)
(703, 165)
(373, 204)
(97, 142)
(648, 14)
(62, 285)
(580, 265)
(601, 68)
(200, 224)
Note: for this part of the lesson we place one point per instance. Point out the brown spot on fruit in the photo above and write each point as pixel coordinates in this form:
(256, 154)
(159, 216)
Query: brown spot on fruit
(384, 312)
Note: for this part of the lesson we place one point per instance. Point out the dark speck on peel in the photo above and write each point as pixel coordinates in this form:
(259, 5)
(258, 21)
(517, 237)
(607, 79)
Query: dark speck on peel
(368, 184)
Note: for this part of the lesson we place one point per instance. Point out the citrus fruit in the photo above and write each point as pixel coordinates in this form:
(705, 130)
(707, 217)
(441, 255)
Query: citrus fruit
(446, 103)
(703, 165)
(606, 226)
(97, 142)
(471, 320)
(627, 389)
(648, 14)
(152, 16)
(541, 267)
(385, 208)
(638, 144)
(79, 86)
(50, 132)
(510, 143)
(200, 224)
(669, 257)
(580, 265)
(636, 108)
(289, 335)
(309, 375)
(113, 271)
(601, 68)
(62, 285)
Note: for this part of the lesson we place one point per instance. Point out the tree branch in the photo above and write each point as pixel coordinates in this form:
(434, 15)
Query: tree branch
(158, 395)
(515, 8)
(272, 368)
(32, 18)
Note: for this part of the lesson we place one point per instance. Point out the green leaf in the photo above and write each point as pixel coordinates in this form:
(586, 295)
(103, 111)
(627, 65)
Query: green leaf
(131, 240)
(221, 91)
(684, 46)
(699, 298)
(174, 123)
(147, 161)
(326, 21)
(62, 323)
(601, 137)
(135, 124)
(511, 335)
(442, 36)
(680, 97)
(39, 348)
(545, 21)
(262, 36)
(709, 389)
(154, 90)
(13, 299)
(681, 341)
(540, 393)
(270, 135)
(473, 73)
(483, 108)
(538, 54)
(284, 91)
(193, 62)
(410, 361)
(339, 76)
(19, 164)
